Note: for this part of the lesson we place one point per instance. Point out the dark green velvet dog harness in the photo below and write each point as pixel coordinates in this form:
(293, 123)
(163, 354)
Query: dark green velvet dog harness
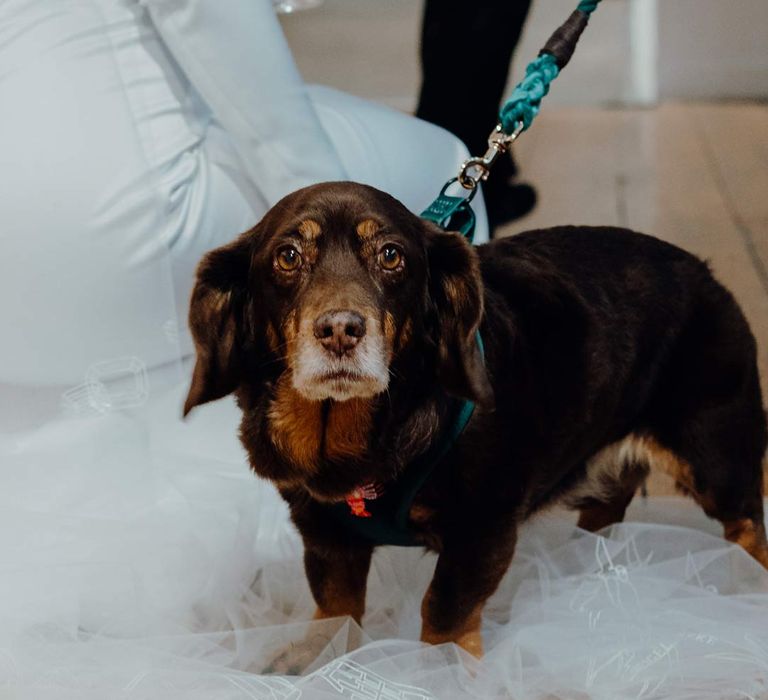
(383, 518)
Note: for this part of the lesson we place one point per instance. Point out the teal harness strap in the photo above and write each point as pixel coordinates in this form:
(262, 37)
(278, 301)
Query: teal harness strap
(452, 213)
(443, 447)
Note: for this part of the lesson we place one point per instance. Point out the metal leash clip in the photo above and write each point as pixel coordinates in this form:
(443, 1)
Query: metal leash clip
(476, 170)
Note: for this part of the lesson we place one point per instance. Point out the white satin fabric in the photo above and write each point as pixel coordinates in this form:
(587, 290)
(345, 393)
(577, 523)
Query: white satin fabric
(137, 135)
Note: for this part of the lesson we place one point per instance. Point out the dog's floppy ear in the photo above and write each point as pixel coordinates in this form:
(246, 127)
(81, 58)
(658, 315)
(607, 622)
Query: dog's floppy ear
(215, 313)
(456, 292)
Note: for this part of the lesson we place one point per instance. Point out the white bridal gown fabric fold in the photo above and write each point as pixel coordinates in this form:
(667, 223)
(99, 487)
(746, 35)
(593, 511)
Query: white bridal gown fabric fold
(139, 557)
(118, 150)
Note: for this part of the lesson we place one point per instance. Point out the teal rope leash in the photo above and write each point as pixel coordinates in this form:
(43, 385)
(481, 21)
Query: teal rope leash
(588, 6)
(525, 101)
(453, 212)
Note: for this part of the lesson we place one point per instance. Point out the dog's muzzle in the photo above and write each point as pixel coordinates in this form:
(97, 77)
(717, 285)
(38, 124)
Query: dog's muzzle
(341, 355)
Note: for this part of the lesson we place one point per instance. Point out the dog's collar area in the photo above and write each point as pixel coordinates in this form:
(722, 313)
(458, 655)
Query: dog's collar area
(356, 500)
(380, 514)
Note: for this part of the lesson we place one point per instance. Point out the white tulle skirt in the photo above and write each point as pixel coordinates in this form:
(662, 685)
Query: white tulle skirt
(139, 557)
(142, 559)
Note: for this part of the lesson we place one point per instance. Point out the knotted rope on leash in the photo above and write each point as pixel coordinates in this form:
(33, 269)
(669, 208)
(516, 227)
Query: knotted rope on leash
(516, 115)
(523, 105)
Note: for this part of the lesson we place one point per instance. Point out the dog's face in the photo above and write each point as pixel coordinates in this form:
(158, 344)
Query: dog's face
(337, 281)
(327, 290)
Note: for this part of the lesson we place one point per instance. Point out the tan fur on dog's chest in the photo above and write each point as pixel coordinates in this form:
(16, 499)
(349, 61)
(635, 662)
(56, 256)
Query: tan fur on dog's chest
(307, 431)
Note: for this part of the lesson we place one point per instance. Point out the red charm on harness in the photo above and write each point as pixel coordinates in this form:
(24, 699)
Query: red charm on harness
(356, 500)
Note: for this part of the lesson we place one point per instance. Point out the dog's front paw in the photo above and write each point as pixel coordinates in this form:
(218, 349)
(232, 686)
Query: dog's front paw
(295, 658)
(323, 641)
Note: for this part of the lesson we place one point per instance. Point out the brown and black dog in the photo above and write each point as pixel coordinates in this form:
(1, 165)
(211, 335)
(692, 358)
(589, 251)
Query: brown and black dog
(346, 325)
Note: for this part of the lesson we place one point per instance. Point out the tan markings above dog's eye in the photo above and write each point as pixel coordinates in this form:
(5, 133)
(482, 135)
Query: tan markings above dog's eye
(367, 228)
(390, 257)
(288, 259)
(309, 229)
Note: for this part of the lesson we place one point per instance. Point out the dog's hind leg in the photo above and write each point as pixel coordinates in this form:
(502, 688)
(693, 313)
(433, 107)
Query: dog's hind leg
(720, 443)
(750, 534)
(738, 505)
(729, 487)
(708, 412)
(724, 479)
(612, 478)
(594, 515)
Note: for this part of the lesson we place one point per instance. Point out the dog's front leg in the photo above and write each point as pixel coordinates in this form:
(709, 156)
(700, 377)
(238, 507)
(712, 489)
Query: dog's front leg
(468, 571)
(337, 578)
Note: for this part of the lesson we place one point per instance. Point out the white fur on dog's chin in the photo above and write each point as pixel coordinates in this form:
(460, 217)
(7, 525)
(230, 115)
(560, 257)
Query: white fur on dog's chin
(368, 361)
(341, 390)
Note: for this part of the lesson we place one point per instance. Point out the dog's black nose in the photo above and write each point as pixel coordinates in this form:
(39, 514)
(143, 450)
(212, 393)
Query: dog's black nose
(339, 331)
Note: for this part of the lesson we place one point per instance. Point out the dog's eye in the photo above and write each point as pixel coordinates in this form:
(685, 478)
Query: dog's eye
(288, 258)
(390, 257)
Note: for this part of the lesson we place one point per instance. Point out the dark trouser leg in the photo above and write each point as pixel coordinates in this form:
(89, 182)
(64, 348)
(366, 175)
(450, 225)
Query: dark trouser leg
(466, 49)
